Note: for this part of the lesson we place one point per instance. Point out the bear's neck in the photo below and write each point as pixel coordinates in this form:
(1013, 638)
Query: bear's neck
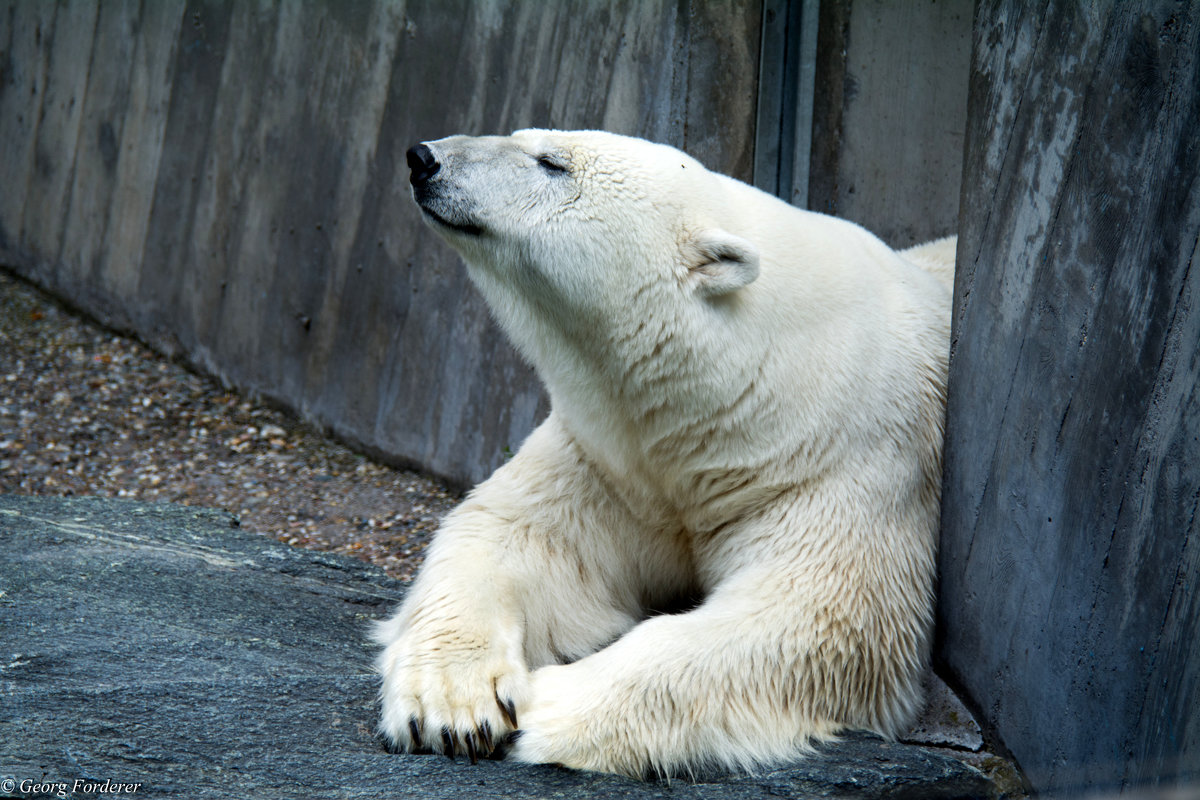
(640, 389)
(651, 402)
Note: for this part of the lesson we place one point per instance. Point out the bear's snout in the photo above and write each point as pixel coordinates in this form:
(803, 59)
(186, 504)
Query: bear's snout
(423, 163)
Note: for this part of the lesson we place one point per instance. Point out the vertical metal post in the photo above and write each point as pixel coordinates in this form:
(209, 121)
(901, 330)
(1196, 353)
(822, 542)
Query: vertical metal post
(783, 124)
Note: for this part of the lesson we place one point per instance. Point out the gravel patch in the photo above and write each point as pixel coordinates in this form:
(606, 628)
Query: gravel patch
(86, 412)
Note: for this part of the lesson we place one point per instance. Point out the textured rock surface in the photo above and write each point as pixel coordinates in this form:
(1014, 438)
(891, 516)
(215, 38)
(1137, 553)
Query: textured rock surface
(159, 645)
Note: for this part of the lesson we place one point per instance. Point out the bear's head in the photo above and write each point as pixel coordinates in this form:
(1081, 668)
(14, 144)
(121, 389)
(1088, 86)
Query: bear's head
(576, 230)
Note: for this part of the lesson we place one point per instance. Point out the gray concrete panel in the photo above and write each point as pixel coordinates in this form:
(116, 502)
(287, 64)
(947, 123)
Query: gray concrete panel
(889, 115)
(1069, 608)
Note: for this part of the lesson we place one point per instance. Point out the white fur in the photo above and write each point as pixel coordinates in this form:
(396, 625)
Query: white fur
(747, 407)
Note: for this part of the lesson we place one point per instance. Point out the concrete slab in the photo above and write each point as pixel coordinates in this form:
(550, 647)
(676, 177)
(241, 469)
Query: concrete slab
(945, 722)
(160, 646)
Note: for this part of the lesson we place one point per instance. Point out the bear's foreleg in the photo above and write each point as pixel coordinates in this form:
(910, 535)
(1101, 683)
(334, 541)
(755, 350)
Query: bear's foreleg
(727, 686)
(538, 565)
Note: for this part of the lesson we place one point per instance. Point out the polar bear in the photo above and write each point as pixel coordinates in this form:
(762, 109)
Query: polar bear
(746, 414)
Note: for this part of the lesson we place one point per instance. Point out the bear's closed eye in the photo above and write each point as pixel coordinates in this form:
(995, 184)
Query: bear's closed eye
(551, 164)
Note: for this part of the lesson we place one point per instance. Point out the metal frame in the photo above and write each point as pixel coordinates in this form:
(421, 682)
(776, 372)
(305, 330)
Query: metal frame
(787, 73)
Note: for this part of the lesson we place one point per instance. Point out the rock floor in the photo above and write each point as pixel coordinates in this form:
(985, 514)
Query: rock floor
(157, 646)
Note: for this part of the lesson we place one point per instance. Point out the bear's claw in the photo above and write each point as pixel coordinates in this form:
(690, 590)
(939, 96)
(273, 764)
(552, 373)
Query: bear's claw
(485, 737)
(509, 709)
(475, 744)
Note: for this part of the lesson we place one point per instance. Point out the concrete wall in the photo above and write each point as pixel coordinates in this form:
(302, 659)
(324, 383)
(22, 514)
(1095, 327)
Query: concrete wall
(889, 115)
(1070, 603)
(228, 180)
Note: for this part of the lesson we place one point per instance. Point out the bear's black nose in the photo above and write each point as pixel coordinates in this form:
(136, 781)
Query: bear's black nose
(422, 163)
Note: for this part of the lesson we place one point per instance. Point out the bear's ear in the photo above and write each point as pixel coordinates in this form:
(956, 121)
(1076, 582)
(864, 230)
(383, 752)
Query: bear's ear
(719, 262)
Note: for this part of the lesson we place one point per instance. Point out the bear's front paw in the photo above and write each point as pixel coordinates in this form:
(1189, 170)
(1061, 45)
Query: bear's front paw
(456, 693)
(560, 726)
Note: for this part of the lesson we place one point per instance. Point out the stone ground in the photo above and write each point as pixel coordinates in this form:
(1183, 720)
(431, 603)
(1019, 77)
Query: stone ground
(162, 646)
